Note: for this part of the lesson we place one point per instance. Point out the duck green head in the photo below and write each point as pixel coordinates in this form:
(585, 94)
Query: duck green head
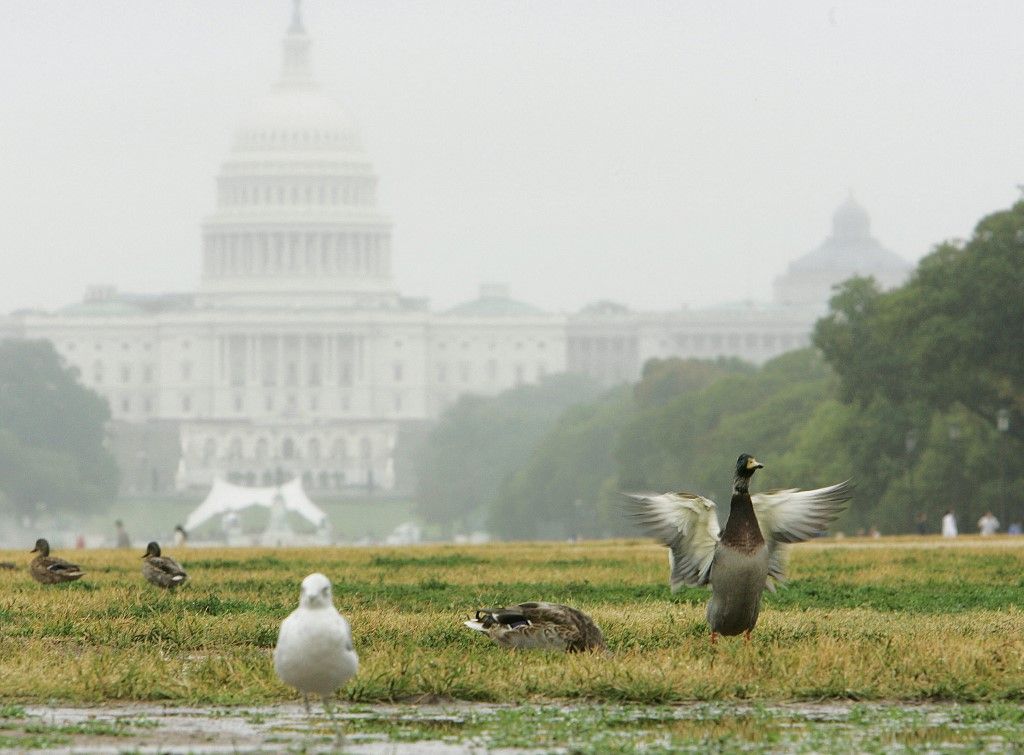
(42, 547)
(746, 465)
(153, 549)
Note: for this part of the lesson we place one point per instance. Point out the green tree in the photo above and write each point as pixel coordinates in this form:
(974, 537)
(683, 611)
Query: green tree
(52, 452)
(941, 353)
(479, 441)
(558, 491)
(953, 335)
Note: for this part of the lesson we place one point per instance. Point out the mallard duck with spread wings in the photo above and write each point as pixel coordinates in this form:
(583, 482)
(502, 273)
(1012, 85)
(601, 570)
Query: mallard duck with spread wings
(539, 626)
(739, 561)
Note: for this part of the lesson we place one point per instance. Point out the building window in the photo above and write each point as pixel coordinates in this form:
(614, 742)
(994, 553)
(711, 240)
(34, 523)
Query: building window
(314, 403)
(126, 405)
(239, 403)
(442, 373)
(287, 448)
(186, 403)
(520, 373)
(97, 372)
(147, 405)
(186, 371)
(397, 371)
(492, 369)
(464, 372)
(268, 403)
(147, 373)
(126, 373)
(398, 402)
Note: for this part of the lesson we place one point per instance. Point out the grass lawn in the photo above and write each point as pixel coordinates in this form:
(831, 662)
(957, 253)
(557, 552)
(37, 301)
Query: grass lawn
(894, 620)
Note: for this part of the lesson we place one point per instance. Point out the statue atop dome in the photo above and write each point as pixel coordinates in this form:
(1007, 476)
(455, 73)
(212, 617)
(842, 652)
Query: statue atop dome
(296, 71)
(296, 27)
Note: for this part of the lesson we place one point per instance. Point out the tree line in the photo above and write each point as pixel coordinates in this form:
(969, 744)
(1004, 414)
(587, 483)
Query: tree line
(916, 393)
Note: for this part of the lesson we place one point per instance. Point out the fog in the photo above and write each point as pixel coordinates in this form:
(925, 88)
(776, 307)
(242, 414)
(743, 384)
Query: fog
(651, 153)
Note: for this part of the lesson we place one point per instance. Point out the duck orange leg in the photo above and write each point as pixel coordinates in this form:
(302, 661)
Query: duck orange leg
(746, 637)
(714, 637)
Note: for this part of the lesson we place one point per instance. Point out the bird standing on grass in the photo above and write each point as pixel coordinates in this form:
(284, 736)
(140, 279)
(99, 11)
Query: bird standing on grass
(543, 626)
(49, 569)
(314, 650)
(162, 571)
(738, 562)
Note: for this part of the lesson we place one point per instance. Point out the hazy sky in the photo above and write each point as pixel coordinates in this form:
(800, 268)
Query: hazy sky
(654, 153)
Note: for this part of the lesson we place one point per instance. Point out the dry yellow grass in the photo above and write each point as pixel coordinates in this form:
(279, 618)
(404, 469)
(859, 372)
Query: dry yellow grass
(892, 621)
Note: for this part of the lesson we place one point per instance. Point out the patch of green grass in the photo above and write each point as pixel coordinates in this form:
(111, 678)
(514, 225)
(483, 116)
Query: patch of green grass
(445, 560)
(903, 621)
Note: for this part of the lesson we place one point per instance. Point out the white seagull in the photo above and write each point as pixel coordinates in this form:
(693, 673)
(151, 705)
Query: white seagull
(314, 647)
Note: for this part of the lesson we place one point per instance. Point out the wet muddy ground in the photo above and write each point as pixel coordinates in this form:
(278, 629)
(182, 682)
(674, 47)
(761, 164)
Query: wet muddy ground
(466, 727)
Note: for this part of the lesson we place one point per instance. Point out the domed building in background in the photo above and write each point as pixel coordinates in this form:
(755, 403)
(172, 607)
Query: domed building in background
(850, 251)
(298, 358)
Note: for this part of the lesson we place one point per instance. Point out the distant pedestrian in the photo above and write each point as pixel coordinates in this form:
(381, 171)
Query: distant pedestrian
(921, 523)
(123, 541)
(180, 536)
(1015, 528)
(949, 524)
(988, 524)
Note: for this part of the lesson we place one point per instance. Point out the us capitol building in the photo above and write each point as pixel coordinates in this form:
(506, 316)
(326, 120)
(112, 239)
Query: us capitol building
(297, 356)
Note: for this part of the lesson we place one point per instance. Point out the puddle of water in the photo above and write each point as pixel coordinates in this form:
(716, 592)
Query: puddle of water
(476, 727)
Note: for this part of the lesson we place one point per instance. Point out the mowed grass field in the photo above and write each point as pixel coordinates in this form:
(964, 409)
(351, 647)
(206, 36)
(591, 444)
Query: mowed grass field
(887, 620)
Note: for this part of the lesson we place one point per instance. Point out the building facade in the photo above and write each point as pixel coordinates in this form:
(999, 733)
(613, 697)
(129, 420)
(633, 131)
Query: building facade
(297, 356)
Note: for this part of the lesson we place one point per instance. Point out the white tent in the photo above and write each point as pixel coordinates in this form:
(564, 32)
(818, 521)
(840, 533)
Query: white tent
(225, 496)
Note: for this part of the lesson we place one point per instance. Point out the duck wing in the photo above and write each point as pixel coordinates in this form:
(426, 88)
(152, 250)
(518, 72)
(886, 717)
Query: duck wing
(791, 516)
(168, 565)
(60, 566)
(688, 524)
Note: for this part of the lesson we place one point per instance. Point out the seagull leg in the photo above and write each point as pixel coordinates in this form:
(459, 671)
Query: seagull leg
(339, 737)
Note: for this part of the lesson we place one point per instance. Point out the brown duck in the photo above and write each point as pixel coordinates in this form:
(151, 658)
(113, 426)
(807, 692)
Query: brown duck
(162, 571)
(738, 562)
(49, 569)
(541, 626)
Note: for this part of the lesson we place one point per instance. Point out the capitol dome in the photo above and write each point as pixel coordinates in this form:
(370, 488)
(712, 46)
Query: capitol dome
(296, 222)
(849, 251)
(291, 119)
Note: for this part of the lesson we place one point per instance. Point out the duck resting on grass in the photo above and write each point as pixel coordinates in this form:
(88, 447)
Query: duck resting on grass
(162, 571)
(51, 570)
(738, 561)
(543, 626)
(314, 650)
